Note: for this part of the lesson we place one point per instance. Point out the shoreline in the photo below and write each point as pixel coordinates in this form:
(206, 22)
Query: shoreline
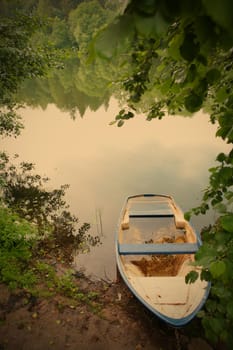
(112, 319)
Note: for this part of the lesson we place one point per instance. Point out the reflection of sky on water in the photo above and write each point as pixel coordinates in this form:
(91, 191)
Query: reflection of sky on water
(103, 164)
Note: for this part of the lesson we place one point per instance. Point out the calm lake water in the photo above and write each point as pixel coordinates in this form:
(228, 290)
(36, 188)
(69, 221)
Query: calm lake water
(104, 164)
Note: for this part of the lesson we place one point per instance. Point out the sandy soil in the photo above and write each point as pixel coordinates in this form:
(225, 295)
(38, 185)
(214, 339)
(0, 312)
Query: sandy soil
(115, 321)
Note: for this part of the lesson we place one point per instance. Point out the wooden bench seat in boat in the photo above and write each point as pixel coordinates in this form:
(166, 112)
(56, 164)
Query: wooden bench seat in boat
(164, 248)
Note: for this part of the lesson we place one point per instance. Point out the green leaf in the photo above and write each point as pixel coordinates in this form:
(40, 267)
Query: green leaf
(211, 305)
(205, 30)
(227, 222)
(173, 49)
(221, 157)
(221, 95)
(191, 277)
(220, 208)
(193, 103)
(220, 290)
(189, 48)
(201, 314)
(230, 101)
(229, 195)
(210, 334)
(202, 87)
(122, 112)
(225, 132)
(217, 268)
(225, 175)
(205, 275)
(112, 122)
(230, 310)
(187, 215)
(221, 307)
(192, 73)
(217, 324)
(221, 12)
(202, 59)
(120, 123)
(206, 254)
(213, 75)
(204, 260)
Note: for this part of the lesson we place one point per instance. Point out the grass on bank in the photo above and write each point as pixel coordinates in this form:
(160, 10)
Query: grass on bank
(24, 266)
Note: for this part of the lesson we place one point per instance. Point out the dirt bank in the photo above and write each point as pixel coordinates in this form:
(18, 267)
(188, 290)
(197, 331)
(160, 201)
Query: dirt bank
(113, 320)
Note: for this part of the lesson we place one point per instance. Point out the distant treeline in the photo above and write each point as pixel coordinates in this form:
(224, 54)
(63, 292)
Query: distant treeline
(68, 26)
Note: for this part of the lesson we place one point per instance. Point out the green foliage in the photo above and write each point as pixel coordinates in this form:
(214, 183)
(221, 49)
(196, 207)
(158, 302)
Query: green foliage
(10, 122)
(177, 68)
(219, 193)
(193, 102)
(221, 13)
(191, 277)
(17, 238)
(227, 223)
(64, 284)
(215, 257)
(121, 117)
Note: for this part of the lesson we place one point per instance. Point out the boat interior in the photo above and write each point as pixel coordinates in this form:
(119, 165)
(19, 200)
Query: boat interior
(155, 222)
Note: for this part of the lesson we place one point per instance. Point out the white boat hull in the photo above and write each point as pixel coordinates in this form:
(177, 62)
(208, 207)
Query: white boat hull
(165, 293)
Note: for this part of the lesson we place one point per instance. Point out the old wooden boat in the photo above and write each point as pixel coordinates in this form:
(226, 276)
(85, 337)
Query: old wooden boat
(154, 248)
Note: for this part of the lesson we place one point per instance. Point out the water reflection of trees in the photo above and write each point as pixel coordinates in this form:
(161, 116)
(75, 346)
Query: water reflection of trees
(26, 193)
(70, 27)
(60, 88)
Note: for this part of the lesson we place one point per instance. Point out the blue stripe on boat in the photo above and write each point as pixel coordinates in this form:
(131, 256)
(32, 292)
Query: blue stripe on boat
(164, 248)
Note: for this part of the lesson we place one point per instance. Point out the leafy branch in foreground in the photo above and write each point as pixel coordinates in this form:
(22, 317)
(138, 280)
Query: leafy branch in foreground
(216, 259)
(180, 57)
(216, 255)
(17, 239)
(218, 194)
